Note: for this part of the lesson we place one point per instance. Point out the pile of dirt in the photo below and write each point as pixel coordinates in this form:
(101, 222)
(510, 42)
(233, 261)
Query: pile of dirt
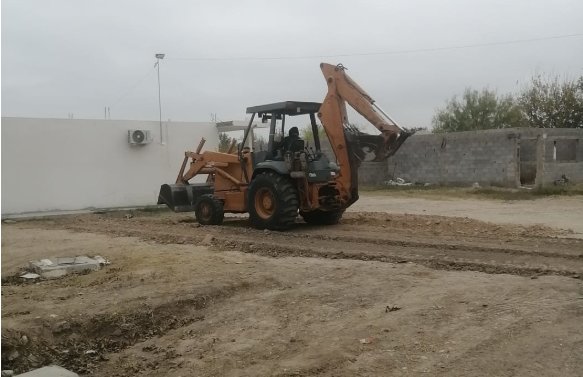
(113, 222)
(448, 225)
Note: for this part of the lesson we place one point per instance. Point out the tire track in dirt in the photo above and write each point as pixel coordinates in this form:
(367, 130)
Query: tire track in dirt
(382, 241)
(359, 243)
(559, 247)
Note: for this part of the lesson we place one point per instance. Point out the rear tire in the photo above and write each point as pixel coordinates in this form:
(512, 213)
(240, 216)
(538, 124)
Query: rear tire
(209, 211)
(272, 202)
(319, 217)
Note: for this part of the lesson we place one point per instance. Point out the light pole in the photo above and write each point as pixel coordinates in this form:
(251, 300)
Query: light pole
(160, 57)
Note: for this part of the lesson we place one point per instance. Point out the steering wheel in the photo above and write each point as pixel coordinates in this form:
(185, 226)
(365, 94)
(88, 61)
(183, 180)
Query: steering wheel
(311, 156)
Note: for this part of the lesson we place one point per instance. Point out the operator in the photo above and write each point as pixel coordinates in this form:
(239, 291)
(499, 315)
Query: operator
(293, 135)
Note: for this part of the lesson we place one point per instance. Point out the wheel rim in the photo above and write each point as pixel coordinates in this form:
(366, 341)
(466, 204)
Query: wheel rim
(206, 211)
(264, 203)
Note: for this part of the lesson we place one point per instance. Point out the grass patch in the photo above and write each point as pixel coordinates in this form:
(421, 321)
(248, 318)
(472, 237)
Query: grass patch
(525, 194)
(502, 194)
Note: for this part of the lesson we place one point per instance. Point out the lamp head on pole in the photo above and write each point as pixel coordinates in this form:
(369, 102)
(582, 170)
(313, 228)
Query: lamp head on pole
(160, 56)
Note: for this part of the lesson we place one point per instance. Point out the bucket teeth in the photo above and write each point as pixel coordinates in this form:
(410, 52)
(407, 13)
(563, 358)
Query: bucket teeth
(395, 145)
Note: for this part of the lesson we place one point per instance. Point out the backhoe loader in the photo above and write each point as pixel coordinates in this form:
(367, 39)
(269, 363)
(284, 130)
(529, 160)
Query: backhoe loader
(273, 186)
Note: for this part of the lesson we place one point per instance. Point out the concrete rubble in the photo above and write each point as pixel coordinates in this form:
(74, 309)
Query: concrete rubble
(30, 275)
(56, 267)
(50, 371)
(397, 182)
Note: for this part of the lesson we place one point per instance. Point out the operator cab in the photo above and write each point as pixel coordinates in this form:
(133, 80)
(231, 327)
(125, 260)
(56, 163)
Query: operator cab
(287, 152)
(273, 112)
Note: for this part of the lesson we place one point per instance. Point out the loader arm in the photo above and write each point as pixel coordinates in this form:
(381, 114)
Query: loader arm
(341, 90)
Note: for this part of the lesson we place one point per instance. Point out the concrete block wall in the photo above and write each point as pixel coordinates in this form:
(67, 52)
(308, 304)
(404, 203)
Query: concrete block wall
(563, 155)
(373, 173)
(491, 157)
(555, 170)
(461, 158)
(72, 164)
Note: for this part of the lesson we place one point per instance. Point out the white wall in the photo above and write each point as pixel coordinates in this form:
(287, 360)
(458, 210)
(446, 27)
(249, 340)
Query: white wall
(70, 164)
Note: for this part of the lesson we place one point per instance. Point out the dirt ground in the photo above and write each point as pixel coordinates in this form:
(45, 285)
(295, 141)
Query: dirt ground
(379, 294)
(565, 212)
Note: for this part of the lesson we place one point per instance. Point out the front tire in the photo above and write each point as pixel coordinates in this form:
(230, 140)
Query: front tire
(209, 211)
(272, 202)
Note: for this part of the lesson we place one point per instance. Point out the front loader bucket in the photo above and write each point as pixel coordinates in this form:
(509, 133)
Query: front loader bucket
(182, 197)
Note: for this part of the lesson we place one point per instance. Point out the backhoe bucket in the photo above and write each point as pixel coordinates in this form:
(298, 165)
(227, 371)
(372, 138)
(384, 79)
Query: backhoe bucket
(181, 197)
(373, 147)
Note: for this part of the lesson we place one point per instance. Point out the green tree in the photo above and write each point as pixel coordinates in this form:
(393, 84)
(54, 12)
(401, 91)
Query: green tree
(478, 110)
(549, 103)
(224, 142)
(308, 135)
(259, 143)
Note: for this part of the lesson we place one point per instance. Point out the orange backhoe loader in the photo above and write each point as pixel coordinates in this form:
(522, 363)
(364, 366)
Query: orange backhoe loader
(274, 185)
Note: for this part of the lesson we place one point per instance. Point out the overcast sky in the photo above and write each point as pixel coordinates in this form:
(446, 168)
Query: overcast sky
(78, 56)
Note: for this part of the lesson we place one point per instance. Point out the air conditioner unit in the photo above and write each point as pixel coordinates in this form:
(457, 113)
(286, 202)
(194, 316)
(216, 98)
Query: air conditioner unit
(139, 137)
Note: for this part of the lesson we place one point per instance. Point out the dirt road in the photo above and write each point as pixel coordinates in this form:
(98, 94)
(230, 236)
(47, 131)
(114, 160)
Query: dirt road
(377, 295)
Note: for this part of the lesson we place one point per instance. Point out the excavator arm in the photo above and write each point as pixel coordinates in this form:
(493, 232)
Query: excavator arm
(341, 90)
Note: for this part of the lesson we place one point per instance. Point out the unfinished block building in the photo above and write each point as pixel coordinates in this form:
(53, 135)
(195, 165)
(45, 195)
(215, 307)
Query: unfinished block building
(505, 157)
